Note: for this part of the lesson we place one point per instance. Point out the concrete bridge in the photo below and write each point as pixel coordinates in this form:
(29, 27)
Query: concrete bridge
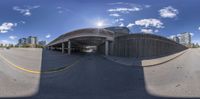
(78, 39)
(115, 42)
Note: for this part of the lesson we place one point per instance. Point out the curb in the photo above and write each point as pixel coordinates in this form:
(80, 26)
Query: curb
(166, 60)
(181, 53)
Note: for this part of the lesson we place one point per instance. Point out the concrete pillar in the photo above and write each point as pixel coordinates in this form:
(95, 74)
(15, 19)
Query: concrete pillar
(63, 47)
(111, 47)
(51, 48)
(69, 47)
(106, 47)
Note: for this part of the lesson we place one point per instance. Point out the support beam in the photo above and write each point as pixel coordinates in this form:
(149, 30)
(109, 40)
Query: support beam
(69, 47)
(63, 47)
(106, 47)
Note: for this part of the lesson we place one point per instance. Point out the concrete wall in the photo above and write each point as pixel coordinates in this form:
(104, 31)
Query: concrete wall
(145, 46)
(101, 49)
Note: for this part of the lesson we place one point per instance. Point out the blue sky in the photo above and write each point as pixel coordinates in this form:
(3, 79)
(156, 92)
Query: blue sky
(47, 19)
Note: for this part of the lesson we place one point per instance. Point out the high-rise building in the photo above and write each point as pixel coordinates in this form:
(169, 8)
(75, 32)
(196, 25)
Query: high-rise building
(185, 39)
(32, 40)
(1, 45)
(182, 38)
(22, 41)
(42, 43)
(174, 38)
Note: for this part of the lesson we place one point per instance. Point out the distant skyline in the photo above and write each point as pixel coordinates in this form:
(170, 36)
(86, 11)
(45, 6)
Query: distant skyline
(48, 19)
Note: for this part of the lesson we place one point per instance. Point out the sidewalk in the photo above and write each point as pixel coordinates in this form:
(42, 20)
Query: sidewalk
(144, 63)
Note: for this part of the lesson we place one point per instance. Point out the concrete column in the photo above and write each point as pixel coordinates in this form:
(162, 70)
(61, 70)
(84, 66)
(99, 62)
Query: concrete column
(69, 47)
(51, 48)
(111, 48)
(106, 47)
(63, 47)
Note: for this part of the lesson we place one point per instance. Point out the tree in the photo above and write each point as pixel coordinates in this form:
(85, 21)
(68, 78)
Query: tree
(196, 45)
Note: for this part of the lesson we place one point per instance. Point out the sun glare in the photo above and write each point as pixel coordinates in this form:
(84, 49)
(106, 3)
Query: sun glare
(100, 24)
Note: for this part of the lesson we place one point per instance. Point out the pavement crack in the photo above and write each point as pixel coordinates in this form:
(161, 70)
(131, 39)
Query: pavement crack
(178, 85)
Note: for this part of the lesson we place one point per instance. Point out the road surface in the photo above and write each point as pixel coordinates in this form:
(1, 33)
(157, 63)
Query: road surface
(95, 77)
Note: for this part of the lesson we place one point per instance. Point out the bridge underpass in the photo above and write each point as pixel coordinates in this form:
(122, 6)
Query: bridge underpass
(84, 40)
(104, 41)
(84, 44)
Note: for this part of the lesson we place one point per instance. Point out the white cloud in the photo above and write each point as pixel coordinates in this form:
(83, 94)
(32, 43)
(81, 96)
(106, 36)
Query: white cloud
(116, 3)
(147, 6)
(125, 7)
(33, 7)
(130, 25)
(178, 34)
(119, 9)
(129, 4)
(26, 11)
(199, 28)
(192, 34)
(168, 12)
(5, 42)
(48, 36)
(119, 20)
(22, 22)
(59, 7)
(121, 24)
(114, 15)
(62, 9)
(149, 23)
(147, 31)
(12, 37)
(156, 31)
(6, 26)
(125, 10)
(172, 36)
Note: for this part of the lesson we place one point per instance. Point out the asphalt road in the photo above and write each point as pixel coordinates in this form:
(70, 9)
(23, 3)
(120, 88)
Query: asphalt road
(95, 77)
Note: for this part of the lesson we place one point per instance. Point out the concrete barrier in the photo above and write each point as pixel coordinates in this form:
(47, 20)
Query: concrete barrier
(145, 46)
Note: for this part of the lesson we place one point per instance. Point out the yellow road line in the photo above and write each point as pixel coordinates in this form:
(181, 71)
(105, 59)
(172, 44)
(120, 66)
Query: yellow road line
(61, 68)
(39, 72)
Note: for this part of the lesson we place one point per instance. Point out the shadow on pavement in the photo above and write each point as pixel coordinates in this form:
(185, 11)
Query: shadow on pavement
(94, 77)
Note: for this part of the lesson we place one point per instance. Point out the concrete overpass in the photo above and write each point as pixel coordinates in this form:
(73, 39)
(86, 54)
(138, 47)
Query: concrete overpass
(79, 39)
(116, 41)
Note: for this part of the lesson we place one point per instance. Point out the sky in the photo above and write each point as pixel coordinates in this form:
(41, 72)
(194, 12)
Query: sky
(48, 19)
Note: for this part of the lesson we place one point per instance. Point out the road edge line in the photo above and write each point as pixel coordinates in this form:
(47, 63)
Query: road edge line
(39, 72)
